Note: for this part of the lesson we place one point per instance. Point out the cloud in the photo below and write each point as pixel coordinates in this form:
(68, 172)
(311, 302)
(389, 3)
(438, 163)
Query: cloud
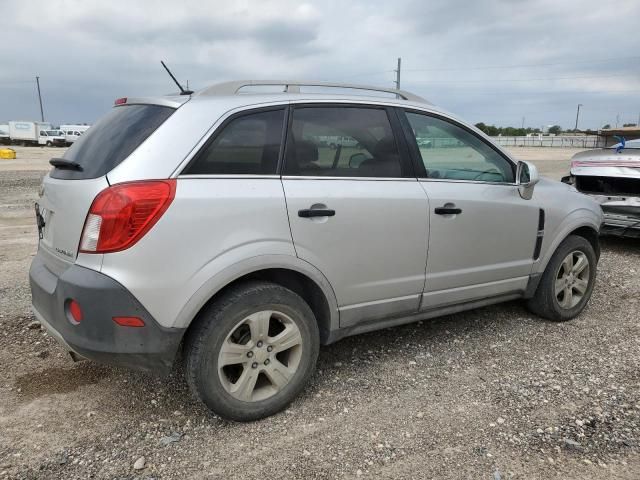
(558, 53)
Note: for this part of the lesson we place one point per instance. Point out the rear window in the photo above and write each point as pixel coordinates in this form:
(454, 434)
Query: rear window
(112, 139)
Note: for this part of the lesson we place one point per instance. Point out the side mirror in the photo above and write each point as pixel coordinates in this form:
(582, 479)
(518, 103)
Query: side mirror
(526, 179)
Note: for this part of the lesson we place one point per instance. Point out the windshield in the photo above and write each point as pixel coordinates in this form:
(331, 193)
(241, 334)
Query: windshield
(54, 133)
(112, 139)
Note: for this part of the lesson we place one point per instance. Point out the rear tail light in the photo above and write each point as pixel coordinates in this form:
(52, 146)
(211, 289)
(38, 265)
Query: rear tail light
(122, 214)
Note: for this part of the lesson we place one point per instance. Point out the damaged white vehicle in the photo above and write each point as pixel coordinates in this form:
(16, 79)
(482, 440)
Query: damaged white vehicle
(612, 177)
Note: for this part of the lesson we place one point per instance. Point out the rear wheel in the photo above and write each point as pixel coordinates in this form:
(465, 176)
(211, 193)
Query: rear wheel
(567, 283)
(252, 351)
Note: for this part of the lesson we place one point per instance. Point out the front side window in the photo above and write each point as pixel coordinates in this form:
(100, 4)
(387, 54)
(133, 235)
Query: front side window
(342, 142)
(247, 145)
(451, 152)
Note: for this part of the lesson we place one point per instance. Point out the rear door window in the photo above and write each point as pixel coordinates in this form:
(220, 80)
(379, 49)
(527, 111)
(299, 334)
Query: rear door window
(112, 139)
(342, 142)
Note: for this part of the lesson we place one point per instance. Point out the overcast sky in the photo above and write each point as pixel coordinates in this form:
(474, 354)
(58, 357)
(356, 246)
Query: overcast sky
(492, 61)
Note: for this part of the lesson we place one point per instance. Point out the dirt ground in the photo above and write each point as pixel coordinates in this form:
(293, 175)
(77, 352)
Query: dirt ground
(494, 393)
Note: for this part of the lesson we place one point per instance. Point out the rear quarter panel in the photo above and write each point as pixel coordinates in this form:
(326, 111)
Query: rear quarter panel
(213, 223)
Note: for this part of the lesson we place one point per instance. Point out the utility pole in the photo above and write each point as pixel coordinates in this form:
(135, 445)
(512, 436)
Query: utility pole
(40, 98)
(398, 74)
(617, 120)
(522, 122)
(577, 116)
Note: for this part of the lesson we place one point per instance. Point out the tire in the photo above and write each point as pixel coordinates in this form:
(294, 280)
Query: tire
(233, 372)
(49, 144)
(571, 300)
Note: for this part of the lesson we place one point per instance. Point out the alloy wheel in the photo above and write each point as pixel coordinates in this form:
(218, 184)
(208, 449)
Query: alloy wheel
(260, 356)
(572, 279)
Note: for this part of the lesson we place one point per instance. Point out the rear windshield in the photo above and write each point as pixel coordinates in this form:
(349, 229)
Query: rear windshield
(112, 139)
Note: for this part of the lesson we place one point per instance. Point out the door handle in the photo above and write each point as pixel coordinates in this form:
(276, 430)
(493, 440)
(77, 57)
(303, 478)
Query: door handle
(447, 211)
(316, 212)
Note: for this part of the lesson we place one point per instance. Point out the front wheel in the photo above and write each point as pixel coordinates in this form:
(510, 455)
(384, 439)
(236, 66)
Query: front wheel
(567, 283)
(252, 351)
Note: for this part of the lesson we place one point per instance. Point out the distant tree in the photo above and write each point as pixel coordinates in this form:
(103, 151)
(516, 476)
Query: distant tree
(556, 129)
(630, 125)
(481, 126)
(607, 126)
(493, 131)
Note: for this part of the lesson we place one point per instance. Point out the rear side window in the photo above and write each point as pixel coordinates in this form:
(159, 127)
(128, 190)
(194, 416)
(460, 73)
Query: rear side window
(247, 145)
(112, 139)
(342, 142)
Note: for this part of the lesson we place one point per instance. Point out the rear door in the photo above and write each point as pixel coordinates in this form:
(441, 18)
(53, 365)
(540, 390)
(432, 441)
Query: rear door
(355, 208)
(482, 233)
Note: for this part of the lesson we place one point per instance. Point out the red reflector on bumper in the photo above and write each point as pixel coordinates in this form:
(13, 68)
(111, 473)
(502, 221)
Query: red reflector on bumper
(75, 311)
(129, 321)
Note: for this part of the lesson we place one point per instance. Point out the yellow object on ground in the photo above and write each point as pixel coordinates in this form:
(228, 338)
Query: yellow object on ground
(7, 153)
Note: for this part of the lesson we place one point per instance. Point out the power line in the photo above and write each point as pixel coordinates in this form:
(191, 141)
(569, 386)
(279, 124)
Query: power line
(15, 82)
(490, 67)
(526, 79)
(521, 65)
(535, 92)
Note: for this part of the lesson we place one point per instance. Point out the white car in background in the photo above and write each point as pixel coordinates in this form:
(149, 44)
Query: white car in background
(73, 132)
(51, 138)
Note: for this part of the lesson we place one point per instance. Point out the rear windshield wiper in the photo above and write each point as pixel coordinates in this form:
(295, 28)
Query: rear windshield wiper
(65, 164)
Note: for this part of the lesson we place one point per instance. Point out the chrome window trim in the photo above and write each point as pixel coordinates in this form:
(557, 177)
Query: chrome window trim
(245, 176)
(452, 180)
(374, 179)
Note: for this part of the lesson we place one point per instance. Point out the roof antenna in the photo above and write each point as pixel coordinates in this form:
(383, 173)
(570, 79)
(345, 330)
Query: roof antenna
(182, 90)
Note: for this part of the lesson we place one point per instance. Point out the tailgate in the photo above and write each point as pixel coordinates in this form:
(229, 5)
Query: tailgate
(64, 205)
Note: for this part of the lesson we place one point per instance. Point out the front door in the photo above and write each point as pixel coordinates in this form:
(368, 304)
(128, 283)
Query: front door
(356, 210)
(482, 233)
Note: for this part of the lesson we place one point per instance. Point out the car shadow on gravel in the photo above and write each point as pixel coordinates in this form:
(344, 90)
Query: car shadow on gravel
(56, 380)
(622, 245)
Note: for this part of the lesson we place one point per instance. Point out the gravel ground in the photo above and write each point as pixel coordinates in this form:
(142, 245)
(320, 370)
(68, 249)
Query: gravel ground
(494, 393)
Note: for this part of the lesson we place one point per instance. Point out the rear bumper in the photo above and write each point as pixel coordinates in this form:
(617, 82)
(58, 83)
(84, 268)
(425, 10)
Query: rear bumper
(97, 337)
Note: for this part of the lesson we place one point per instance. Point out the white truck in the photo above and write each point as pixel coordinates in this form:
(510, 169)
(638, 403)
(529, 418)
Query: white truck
(72, 132)
(35, 133)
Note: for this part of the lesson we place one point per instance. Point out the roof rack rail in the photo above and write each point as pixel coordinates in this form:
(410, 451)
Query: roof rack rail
(290, 86)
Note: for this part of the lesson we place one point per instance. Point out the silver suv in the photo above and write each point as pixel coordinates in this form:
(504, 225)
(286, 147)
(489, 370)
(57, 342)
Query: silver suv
(243, 229)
